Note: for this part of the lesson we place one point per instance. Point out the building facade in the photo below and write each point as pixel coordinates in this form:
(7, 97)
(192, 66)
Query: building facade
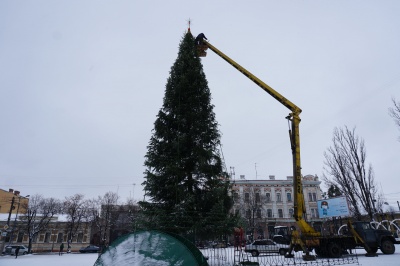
(12, 202)
(13, 207)
(264, 204)
(48, 240)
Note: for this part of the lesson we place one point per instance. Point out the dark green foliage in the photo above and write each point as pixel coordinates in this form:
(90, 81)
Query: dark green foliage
(184, 177)
(334, 191)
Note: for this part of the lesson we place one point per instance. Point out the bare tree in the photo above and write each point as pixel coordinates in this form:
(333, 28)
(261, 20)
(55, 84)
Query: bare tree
(75, 207)
(252, 208)
(394, 112)
(108, 205)
(133, 213)
(38, 215)
(345, 167)
(102, 212)
(125, 219)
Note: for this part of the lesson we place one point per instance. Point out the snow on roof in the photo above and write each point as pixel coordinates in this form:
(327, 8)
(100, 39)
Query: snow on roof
(56, 218)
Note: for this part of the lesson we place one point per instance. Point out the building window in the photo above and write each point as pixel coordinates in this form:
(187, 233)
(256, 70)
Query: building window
(20, 236)
(291, 213)
(289, 196)
(47, 237)
(312, 213)
(80, 237)
(235, 196)
(248, 213)
(316, 213)
(258, 213)
(246, 197)
(269, 213)
(280, 213)
(60, 238)
(278, 197)
(312, 196)
(267, 197)
(257, 197)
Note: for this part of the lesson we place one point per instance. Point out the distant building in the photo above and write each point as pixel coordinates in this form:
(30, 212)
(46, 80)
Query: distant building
(46, 241)
(12, 200)
(117, 220)
(265, 204)
(13, 208)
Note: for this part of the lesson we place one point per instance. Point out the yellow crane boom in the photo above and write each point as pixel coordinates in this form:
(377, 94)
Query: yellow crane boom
(294, 117)
(330, 246)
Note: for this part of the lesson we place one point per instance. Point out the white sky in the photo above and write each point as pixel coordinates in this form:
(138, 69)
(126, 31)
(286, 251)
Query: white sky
(82, 82)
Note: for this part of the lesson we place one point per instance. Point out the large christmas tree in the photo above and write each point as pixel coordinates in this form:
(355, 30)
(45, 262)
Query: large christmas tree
(185, 182)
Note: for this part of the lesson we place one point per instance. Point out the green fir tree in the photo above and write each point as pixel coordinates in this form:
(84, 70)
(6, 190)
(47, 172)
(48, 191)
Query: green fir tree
(334, 191)
(185, 184)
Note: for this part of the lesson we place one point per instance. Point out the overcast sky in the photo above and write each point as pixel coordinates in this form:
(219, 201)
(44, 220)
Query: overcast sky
(83, 81)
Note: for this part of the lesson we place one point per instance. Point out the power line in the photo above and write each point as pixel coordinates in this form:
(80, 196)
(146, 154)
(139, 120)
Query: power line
(63, 186)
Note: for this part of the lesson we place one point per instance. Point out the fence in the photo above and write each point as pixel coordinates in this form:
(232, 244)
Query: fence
(231, 256)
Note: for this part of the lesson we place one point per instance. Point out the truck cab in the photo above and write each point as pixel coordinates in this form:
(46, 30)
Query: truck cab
(281, 235)
(375, 238)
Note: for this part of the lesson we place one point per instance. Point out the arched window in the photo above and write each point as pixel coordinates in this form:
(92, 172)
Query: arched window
(278, 197)
(289, 196)
(267, 197)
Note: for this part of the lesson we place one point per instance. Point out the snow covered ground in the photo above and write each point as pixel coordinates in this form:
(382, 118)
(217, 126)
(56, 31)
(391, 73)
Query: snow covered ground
(50, 260)
(89, 260)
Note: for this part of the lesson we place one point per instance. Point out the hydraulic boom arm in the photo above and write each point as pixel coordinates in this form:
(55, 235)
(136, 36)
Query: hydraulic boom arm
(294, 117)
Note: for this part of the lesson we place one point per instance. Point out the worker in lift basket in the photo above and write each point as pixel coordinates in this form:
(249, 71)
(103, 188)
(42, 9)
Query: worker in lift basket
(199, 39)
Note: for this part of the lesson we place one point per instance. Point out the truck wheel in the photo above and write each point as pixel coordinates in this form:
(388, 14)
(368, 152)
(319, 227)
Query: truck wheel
(373, 250)
(319, 252)
(387, 247)
(334, 250)
(254, 253)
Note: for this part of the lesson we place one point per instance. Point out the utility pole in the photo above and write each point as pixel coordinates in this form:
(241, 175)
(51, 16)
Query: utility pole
(15, 221)
(11, 209)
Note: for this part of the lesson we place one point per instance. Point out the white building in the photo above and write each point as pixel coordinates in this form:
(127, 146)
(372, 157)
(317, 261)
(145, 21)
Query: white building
(266, 203)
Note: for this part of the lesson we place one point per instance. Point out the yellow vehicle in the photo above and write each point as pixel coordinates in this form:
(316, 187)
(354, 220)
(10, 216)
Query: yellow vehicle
(308, 239)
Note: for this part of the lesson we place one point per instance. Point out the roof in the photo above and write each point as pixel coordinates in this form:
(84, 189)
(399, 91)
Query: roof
(56, 218)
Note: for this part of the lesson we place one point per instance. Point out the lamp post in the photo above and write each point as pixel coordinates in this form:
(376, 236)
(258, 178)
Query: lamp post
(11, 209)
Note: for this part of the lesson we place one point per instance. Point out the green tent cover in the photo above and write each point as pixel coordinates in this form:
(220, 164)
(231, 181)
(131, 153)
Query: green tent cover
(147, 248)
